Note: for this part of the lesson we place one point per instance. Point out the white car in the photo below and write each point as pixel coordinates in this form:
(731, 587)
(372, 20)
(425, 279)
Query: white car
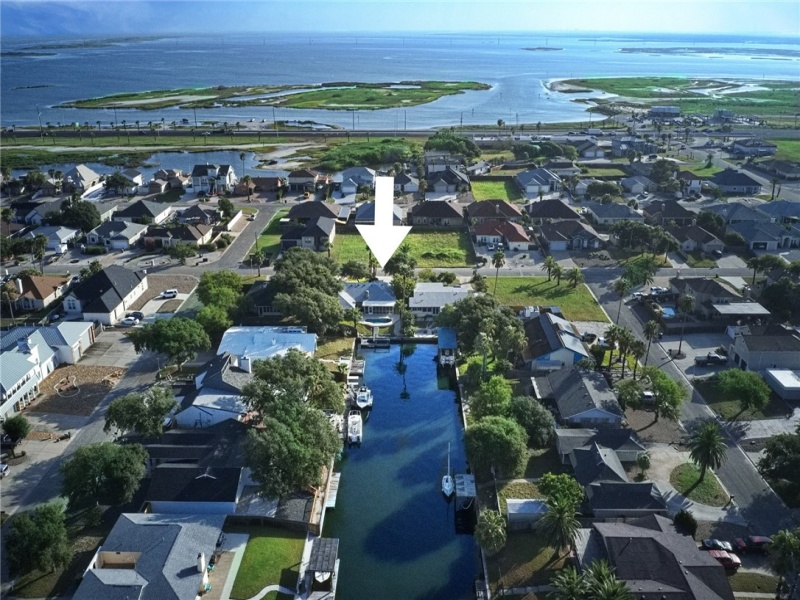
(3, 470)
(129, 322)
(171, 293)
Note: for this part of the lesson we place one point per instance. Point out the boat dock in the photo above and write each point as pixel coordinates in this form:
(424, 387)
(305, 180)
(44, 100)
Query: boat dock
(333, 491)
(357, 367)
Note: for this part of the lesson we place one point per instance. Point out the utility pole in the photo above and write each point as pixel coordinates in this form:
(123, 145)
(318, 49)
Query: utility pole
(115, 118)
(274, 122)
(405, 119)
(461, 126)
(353, 114)
(39, 115)
(195, 117)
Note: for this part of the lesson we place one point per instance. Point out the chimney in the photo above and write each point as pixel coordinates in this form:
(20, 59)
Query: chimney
(245, 364)
(18, 283)
(366, 294)
(201, 562)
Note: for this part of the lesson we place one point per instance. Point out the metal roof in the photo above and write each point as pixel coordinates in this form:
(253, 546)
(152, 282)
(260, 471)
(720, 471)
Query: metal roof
(323, 555)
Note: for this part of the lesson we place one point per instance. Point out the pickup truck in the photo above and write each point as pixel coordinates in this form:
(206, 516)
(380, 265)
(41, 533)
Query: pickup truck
(710, 359)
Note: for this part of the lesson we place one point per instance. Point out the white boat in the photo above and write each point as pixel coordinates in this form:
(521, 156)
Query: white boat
(448, 487)
(354, 427)
(364, 397)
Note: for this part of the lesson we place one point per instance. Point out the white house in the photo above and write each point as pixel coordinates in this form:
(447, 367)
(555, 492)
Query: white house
(406, 184)
(69, 339)
(213, 178)
(23, 367)
(507, 232)
(106, 295)
(143, 211)
(116, 235)
(57, 236)
(762, 347)
(638, 184)
(82, 180)
(430, 297)
(246, 343)
(355, 178)
(371, 298)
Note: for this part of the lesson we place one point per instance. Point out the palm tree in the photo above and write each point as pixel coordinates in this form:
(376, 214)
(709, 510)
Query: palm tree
(625, 341)
(610, 589)
(498, 260)
(548, 265)
(621, 288)
(707, 447)
(353, 315)
(575, 276)
(755, 264)
(568, 584)
(246, 181)
(558, 273)
(500, 125)
(490, 531)
(686, 306)
(612, 337)
(560, 525)
(242, 156)
(651, 331)
(784, 557)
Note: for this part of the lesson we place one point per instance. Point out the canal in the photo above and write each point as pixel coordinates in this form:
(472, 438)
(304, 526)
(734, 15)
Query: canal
(396, 530)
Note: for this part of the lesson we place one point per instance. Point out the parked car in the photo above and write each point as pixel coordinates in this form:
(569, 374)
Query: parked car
(717, 253)
(648, 397)
(7, 443)
(758, 544)
(129, 322)
(715, 544)
(3, 470)
(136, 315)
(710, 359)
(730, 562)
(588, 337)
(170, 293)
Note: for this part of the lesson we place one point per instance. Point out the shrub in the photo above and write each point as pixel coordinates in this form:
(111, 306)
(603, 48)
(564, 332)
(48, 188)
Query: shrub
(94, 250)
(208, 247)
(221, 243)
(685, 522)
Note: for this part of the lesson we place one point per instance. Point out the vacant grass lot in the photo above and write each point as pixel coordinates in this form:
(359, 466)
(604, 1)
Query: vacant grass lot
(270, 238)
(496, 190)
(430, 248)
(686, 479)
(272, 557)
(700, 169)
(333, 348)
(525, 560)
(605, 172)
(787, 150)
(698, 260)
(728, 408)
(577, 303)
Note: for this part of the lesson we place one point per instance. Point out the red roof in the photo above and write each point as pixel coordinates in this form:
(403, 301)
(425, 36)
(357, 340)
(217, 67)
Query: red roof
(513, 232)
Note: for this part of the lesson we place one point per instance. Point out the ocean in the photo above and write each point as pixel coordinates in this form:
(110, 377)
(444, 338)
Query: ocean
(517, 76)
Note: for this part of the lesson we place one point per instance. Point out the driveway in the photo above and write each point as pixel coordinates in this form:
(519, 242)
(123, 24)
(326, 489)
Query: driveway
(695, 344)
(564, 258)
(731, 261)
(112, 348)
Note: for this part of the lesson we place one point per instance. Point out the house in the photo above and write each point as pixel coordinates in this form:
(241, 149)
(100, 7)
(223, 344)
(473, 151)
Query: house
(437, 215)
(260, 343)
(551, 343)
(562, 168)
(219, 445)
(479, 168)
(582, 398)
(192, 235)
(622, 441)
(733, 182)
(186, 489)
(781, 211)
(135, 179)
(568, 235)
(439, 161)
(664, 112)
(611, 213)
(356, 178)
(35, 292)
(303, 180)
(589, 149)
(157, 186)
(218, 393)
(761, 347)
(653, 560)
(57, 236)
(199, 214)
(269, 184)
(213, 178)
(406, 184)
(261, 298)
(305, 212)
(738, 212)
(365, 214)
(43, 210)
(106, 295)
(549, 211)
(492, 210)
(116, 235)
(317, 235)
(107, 210)
(23, 366)
(68, 339)
(448, 181)
(665, 212)
(694, 238)
(623, 146)
(767, 236)
(690, 183)
(535, 182)
(153, 557)
(371, 298)
(512, 235)
(582, 187)
(754, 147)
(431, 297)
(144, 211)
(784, 382)
(782, 168)
(638, 184)
(447, 343)
(81, 179)
(706, 292)
(524, 513)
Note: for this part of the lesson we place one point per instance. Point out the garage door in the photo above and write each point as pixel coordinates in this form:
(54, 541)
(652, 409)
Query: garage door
(759, 245)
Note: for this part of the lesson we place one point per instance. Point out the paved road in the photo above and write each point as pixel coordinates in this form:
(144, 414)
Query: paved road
(757, 502)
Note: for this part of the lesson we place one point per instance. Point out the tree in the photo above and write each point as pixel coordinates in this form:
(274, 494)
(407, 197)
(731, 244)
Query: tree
(558, 273)
(629, 393)
(80, 214)
(479, 284)
(355, 269)
(498, 260)
(784, 557)
(707, 446)
(643, 462)
(603, 584)
(408, 322)
(181, 252)
(763, 263)
(312, 307)
(562, 486)
(575, 276)
(299, 269)
(560, 525)
(490, 531)
(597, 189)
(477, 314)
(686, 306)
(535, 419)
(17, 427)
(549, 265)
(289, 450)
(215, 320)
(568, 584)
(637, 348)
(685, 522)
(621, 288)
(510, 342)
(354, 315)
(220, 288)
(38, 249)
(403, 285)
(38, 540)
(651, 331)
(117, 182)
(143, 413)
(93, 267)
(454, 143)
(493, 398)
(747, 386)
(401, 262)
(178, 339)
(711, 222)
(104, 473)
(226, 207)
(612, 336)
(781, 459)
(294, 375)
(499, 443)
(668, 394)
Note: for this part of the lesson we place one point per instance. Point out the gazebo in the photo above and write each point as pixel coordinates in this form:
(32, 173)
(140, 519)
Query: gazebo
(323, 569)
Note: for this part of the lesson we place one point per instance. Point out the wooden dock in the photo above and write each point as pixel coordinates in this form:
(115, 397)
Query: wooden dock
(333, 491)
(357, 367)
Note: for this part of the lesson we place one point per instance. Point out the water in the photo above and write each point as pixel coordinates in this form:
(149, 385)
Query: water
(517, 76)
(396, 529)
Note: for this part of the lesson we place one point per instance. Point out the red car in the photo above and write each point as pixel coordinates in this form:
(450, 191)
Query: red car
(752, 543)
(730, 562)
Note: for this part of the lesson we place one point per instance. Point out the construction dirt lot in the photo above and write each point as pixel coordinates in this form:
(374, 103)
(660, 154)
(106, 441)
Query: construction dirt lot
(156, 284)
(75, 389)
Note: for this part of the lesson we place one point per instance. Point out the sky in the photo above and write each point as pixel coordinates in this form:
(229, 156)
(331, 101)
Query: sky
(89, 18)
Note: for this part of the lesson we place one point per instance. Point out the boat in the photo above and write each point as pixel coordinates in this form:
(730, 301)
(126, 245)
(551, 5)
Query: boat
(448, 486)
(354, 427)
(363, 397)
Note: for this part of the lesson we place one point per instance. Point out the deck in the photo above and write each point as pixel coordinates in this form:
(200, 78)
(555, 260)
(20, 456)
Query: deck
(333, 491)
(357, 367)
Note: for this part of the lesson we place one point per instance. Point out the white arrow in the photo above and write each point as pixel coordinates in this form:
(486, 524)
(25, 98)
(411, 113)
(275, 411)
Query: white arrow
(383, 238)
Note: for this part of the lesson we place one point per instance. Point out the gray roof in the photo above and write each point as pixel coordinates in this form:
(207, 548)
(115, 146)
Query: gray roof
(754, 231)
(366, 213)
(737, 211)
(730, 177)
(105, 290)
(576, 391)
(310, 210)
(781, 209)
(166, 566)
(538, 177)
(566, 231)
(546, 333)
(354, 294)
(259, 343)
(693, 232)
(118, 229)
(359, 175)
(220, 374)
(53, 233)
(435, 294)
(771, 338)
(612, 210)
(644, 495)
(551, 209)
(66, 334)
(450, 176)
(597, 463)
(615, 439)
(323, 555)
(319, 227)
(142, 208)
(437, 209)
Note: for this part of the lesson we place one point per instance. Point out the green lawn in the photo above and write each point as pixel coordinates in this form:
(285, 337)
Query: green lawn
(700, 169)
(270, 238)
(787, 150)
(753, 582)
(624, 257)
(543, 461)
(333, 348)
(728, 408)
(430, 248)
(496, 190)
(605, 172)
(516, 490)
(272, 556)
(577, 303)
(698, 260)
(525, 560)
(685, 478)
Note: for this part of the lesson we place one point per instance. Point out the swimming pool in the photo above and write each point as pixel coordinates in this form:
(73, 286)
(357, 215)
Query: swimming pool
(668, 312)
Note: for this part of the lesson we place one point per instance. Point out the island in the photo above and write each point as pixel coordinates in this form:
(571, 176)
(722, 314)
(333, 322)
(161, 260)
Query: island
(542, 49)
(742, 51)
(328, 96)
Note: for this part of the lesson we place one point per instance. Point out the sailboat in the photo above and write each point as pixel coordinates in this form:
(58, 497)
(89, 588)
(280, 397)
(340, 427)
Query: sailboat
(447, 481)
